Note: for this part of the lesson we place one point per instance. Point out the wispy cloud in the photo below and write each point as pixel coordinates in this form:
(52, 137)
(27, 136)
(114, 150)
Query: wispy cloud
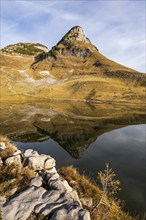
(117, 28)
(70, 17)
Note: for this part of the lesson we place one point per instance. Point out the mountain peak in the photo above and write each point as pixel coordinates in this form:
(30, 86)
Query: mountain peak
(76, 33)
(73, 43)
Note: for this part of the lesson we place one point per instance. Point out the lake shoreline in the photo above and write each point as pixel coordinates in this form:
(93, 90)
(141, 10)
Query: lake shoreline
(47, 194)
(43, 173)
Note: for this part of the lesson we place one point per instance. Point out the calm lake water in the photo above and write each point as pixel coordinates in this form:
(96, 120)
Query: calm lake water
(86, 136)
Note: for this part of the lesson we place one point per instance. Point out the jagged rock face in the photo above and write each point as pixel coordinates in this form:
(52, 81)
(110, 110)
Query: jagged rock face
(76, 34)
(74, 43)
(74, 51)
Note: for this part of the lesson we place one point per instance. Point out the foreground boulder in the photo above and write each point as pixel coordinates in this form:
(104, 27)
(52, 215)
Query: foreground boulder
(38, 162)
(48, 193)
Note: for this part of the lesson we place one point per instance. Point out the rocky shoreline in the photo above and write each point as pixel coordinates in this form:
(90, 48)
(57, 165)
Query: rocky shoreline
(48, 193)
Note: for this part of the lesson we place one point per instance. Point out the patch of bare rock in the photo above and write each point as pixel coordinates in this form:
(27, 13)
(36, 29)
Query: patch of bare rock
(48, 193)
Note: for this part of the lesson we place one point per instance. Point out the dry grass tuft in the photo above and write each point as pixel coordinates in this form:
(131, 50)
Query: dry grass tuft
(13, 176)
(109, 210)
(84, 187)
(30, 174)
(10, 149)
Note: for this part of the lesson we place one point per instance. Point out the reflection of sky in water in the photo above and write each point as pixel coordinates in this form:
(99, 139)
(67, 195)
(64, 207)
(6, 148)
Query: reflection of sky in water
(123, 148)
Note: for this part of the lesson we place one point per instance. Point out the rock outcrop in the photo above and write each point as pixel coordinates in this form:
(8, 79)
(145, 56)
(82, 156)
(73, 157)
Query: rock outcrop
(48, 193)
(74, 51)
(74, 43)
(75, 34)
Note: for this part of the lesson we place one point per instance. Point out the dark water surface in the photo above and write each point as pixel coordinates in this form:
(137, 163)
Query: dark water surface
(87, 136)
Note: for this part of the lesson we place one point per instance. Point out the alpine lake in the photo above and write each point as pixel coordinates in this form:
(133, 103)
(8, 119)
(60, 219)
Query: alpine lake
(87, 136)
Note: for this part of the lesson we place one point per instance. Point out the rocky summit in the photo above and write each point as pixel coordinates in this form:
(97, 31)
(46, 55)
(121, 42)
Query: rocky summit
(75, 43)
(75, 34)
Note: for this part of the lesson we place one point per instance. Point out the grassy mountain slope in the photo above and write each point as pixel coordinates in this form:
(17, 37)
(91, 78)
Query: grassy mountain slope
(72, 70)
(78, 57)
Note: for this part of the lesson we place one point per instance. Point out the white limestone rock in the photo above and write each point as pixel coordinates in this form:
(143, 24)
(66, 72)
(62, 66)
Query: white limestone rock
(30, 153)
(2, 201)
(77, 33)
(39, 200)
(17, 152)
(88, 202)
(74, 195)
(59, 200)
(70, 212)
(13, 191)
(22, 206)
(48, 173)
(1, 162)
(51, 174)
(54, 201)
(40, 162)
(2, 146)
(16, 159)
(59, 184)
(84, 215)
(50, 200)
(37, 181)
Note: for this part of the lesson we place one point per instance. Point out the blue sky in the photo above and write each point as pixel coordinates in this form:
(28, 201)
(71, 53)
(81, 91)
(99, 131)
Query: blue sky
(117, 28)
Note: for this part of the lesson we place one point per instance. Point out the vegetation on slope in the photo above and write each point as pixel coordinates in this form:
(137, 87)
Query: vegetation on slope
(25, 48)
(79, 82)
(94, 89)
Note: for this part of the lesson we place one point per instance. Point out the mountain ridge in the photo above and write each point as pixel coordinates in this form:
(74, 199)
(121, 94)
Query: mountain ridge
(73, 69)
(75, 44)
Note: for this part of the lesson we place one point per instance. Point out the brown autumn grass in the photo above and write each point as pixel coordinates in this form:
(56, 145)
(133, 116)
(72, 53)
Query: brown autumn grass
(92, 84)
(10, 148)
(13, 176)
(109, 210)
(93, 89)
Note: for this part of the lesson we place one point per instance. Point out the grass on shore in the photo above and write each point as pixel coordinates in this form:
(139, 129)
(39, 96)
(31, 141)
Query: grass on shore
(10, 149)
(12, 176)
(104, 207)
(109, 208)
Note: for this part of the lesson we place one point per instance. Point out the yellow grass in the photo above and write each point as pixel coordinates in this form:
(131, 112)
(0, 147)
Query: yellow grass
(111, 210)
(94, 89)
(84, 81)
(10, 149)
(12, 176)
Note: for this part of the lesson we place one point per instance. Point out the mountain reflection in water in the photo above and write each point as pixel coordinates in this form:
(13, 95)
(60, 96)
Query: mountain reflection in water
(87, 136)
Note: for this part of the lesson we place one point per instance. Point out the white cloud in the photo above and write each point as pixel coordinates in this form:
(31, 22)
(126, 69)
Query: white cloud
(71, 17)
(115, 27)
